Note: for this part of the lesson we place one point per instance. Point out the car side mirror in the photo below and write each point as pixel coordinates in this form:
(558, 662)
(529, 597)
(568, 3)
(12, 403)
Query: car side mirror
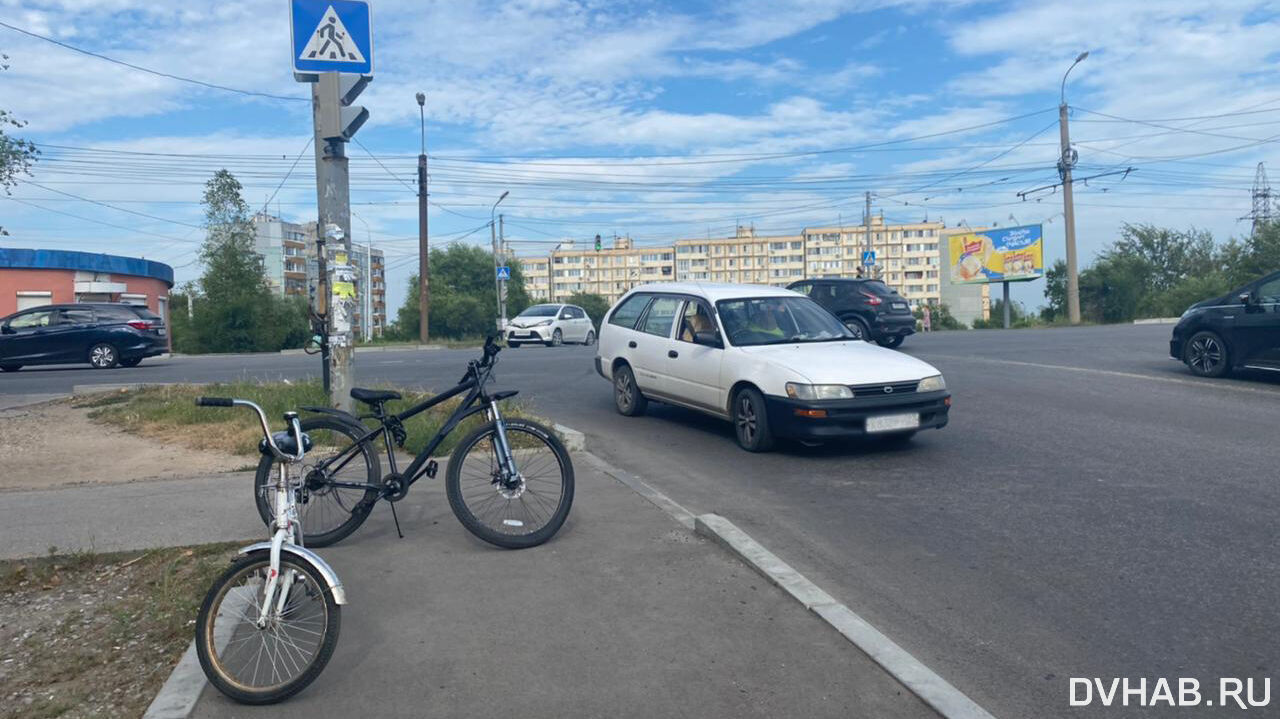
(7, 330)
(566, 316)
(1247, 298)
(707, 338)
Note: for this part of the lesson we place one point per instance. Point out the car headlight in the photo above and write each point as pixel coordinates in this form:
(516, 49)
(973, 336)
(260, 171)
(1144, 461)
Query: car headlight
(932, 384)
(543, 323)
(818, 391)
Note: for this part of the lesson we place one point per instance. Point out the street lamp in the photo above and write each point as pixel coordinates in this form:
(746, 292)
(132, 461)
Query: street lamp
(424, 254)
(1066, 162)
(1063, 94)
(497, 283)
(422, 118)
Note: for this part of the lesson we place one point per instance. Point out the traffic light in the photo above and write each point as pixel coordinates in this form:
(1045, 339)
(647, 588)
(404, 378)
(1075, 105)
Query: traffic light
(338, 118)
(597, 243)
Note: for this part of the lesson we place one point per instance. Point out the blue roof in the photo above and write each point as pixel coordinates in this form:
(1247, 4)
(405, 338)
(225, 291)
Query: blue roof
(16, 259)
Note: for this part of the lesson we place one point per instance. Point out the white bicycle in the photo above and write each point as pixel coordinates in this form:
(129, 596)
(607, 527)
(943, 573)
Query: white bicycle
(270, 623)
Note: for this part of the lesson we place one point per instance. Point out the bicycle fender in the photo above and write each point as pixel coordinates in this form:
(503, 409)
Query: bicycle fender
(344, 416)
(306, 555)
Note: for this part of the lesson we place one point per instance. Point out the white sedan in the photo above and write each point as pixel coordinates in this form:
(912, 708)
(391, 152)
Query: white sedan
(770, 360)
(551, 325)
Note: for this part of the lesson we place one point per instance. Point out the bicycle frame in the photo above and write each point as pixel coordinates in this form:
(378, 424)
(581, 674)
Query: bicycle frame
(472, 385)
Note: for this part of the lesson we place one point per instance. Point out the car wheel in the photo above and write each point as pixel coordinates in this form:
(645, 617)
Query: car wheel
(890, 342)
(1206, 355)
(557, 339)
(103, 356)
(10, 367)
(130, 362)
(591, 338)
(626, 394)
(858, 328)
(751, 421)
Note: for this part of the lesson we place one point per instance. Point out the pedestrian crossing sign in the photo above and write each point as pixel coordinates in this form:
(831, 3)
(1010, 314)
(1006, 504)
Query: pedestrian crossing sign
(504, 273)
(332, 36)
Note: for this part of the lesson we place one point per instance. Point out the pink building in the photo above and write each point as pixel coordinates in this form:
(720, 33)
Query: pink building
(30, 278)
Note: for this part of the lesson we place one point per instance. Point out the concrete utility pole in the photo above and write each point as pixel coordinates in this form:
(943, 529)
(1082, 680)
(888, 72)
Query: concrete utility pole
(1066, 162)
(331, 94)
(502, 286)
(497, 284)
(424, 261)
(866, 220)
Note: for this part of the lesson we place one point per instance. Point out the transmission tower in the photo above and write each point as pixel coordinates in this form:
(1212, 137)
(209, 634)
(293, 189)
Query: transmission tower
(1262, 204)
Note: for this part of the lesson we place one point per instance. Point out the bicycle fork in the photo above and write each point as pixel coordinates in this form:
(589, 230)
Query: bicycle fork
(506, 460)
(286, 531)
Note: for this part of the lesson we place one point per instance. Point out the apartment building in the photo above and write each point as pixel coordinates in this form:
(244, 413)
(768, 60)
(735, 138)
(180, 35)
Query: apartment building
(283, 247)
(910, 259)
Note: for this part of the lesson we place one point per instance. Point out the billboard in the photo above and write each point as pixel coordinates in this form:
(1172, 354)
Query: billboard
(1007, 254)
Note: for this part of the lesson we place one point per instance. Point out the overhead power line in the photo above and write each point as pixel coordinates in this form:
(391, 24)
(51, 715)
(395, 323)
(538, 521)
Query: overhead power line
(158, 73)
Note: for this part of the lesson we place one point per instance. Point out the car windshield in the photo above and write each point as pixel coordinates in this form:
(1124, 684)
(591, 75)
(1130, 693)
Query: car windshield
(540, 311)
(778, 320)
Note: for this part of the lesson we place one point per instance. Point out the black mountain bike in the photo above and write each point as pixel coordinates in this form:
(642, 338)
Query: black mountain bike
(510, 481)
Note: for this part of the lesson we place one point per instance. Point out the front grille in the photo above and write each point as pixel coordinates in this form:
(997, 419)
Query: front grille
(879, 390)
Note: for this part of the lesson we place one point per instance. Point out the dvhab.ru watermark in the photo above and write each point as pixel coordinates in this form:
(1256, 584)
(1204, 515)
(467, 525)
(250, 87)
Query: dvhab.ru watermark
(1227, 692)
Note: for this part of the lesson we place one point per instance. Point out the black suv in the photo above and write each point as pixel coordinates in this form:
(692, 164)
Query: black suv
(869, 308)
(1237, 330)
(104, 335)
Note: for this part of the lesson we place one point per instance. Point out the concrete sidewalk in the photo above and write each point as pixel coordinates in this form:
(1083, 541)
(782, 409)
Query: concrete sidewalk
(625, 613)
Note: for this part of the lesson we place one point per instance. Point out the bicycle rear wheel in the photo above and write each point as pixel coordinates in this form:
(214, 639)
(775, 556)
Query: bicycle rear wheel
(328, 513)
(264, 665)
(524, 512)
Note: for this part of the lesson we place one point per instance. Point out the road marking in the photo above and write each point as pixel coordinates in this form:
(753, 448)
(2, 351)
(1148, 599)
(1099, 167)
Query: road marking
(1111, 373)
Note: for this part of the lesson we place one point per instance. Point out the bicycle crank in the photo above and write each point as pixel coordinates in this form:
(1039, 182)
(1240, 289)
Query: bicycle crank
(394, 488)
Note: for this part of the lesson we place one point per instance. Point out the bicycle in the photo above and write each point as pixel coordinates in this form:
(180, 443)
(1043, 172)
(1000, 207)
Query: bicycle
(509, 482)
(270, 623)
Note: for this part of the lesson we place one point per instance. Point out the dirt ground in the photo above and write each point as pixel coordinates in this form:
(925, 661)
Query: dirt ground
(96, 635)
(56, 444)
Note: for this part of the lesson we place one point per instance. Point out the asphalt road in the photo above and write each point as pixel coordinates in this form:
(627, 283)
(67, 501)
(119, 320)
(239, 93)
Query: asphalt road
(1092, 510)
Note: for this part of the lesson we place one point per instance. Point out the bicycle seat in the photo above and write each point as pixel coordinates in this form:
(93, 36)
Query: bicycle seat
(284, 440)
(373, 396)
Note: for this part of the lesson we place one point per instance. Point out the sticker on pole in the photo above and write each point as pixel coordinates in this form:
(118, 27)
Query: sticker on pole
(332, 36)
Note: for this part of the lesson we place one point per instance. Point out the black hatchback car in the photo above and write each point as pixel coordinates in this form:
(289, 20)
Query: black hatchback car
(1238, 330)
(869, 308)
(104, 335)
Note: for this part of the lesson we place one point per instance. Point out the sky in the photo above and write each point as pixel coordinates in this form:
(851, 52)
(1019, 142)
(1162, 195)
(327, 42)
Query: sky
(656, 120)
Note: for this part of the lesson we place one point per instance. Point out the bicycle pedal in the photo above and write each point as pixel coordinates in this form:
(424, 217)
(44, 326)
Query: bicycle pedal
(431, 468)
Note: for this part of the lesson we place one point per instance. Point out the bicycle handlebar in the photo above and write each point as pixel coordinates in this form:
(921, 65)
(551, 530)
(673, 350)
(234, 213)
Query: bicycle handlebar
(491, 350)
(291, 417)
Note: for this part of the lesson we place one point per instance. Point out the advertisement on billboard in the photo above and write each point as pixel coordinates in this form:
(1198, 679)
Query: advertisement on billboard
(1007, 254)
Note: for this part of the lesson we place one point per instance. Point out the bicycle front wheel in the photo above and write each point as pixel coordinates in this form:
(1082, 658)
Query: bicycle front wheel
(255, 664)
(516, 512)
(328, 513)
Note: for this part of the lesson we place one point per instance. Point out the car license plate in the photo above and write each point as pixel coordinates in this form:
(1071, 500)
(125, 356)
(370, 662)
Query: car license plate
(893, 422)
(899, 305)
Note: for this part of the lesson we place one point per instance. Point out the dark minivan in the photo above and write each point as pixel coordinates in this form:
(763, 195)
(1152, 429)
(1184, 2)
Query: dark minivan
(1238, 330)
(869, 308)
(104, 335)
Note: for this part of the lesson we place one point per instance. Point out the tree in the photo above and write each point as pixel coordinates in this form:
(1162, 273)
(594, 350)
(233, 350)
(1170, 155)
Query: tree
(234, 309)
(16, 154)
(595, 306)
(1055, 291)
(463, 303)
(940, 317)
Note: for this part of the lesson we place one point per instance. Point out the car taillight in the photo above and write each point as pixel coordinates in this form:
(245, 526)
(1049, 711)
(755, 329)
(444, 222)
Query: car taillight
(139, 324)
(871, 299)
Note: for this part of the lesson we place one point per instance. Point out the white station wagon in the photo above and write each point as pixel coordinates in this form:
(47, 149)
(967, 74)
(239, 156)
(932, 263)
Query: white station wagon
(770, 360)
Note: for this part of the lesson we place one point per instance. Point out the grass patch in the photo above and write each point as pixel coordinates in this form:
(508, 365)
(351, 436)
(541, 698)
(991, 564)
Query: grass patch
(97, 634)
(169, 412)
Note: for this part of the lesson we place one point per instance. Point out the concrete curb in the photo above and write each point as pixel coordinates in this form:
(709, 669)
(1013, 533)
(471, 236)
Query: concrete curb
(82, 389)
(574, 441)
(932, 689)
(178, 697)
(1157, 321)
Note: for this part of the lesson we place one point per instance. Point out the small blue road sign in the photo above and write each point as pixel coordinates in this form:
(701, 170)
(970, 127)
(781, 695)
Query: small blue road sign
(332, 36)
(504, 273)
(869, 258)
